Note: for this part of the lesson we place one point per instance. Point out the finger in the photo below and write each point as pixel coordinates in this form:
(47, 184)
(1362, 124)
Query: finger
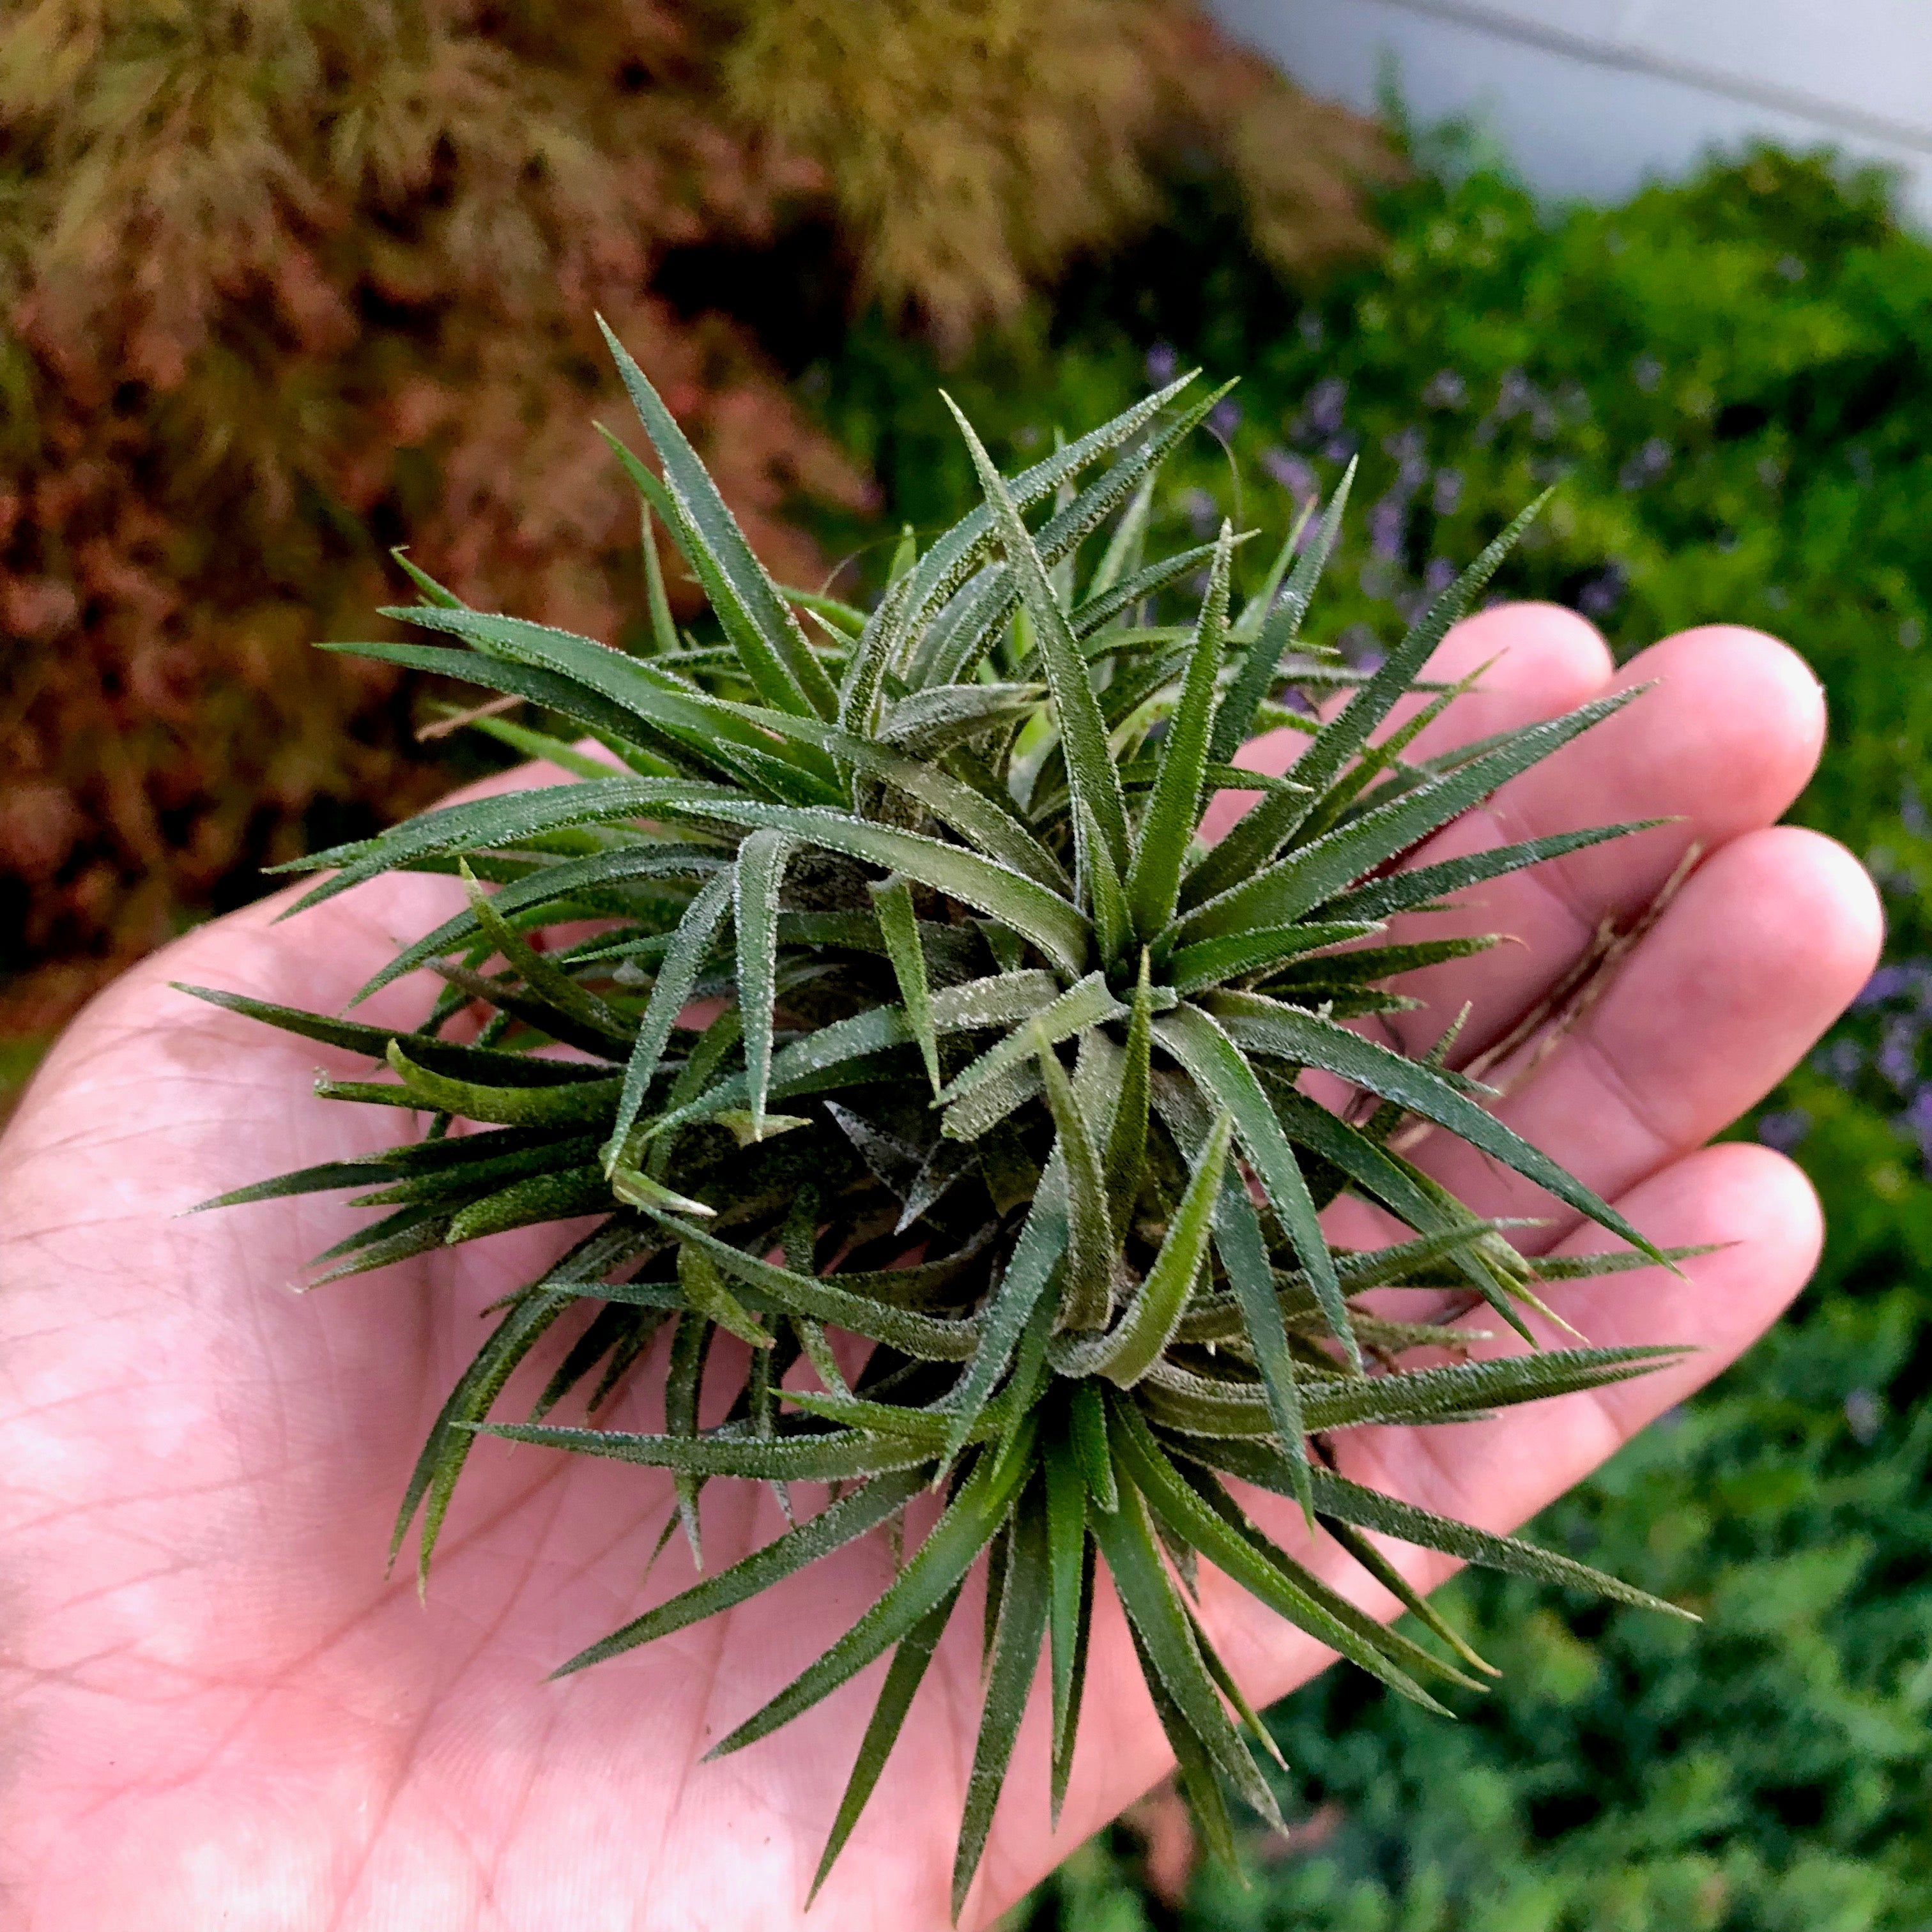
(1763, 948)
(1532, 661)
(1723, 743)
(1759, 1210)
(1752, 1205)
(1548, 661)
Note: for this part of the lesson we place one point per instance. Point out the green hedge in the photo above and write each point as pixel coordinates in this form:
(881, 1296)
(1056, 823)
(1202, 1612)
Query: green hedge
(1731, 380)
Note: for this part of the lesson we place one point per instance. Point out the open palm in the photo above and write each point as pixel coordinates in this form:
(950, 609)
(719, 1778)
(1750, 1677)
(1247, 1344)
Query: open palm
(220, 1712)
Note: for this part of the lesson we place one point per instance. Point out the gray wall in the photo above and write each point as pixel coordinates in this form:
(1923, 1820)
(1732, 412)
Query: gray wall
(1590, 97)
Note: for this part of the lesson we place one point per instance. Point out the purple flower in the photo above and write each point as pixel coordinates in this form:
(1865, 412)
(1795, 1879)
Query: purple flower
(1309, 329)
(1897, 1058)
(1388, 524)
(1325, 403)
(1916, 1120)
(1225, 418)
(1646, 372)
(1445, 390)
(1448, 492)
(1602, 594)
(1840, 1061)
(1646, 466)
(1361, 648)
(1888, 983)
(1438, 574)
(1407, 444)
(1514, 393)
(1295, 475)
(1409, 448)
(1865, 1416)
(1200, 510)
(1784, 1131)
(1162, 362)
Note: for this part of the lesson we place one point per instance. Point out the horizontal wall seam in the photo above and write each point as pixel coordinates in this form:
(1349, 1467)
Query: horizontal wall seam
(1625, 58)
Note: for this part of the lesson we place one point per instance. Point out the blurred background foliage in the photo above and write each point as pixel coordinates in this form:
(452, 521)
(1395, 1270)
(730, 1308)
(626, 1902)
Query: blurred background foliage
(1729, 379)
(286, 284)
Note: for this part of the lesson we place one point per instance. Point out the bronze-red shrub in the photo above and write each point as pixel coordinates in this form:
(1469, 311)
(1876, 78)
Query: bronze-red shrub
(283, 282)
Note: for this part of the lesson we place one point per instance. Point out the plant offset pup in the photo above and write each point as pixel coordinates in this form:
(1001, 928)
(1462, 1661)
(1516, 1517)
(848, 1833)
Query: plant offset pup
(1002, 1078)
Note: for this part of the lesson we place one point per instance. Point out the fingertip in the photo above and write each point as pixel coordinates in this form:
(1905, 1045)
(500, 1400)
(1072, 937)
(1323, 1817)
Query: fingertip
(1750, 677)
(1757, 1211)
(1827, 906)
(1749, 652)
(1851, 895)
(1548, 650)
(1747, 1195)
(1542, 661)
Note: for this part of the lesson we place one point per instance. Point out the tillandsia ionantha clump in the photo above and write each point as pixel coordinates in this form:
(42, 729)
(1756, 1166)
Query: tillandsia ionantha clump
(912, 1007)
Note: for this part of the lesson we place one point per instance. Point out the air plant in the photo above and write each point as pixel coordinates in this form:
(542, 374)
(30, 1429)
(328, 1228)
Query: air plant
(897, 996)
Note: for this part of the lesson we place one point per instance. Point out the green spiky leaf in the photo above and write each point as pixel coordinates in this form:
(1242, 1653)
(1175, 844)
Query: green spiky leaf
(778, 989)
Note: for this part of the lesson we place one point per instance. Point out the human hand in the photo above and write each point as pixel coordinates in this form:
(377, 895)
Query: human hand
(219, 1710)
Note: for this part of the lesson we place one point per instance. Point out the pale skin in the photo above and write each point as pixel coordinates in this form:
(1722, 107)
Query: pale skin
(219, 1711)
